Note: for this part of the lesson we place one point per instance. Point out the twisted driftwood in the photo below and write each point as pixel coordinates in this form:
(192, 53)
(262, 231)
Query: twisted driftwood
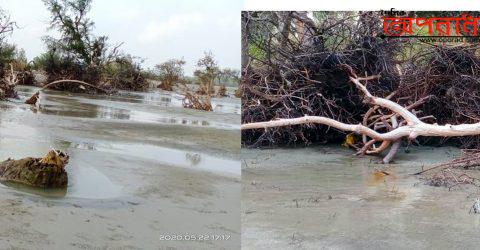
(410, 128)
(34, 98)
(77, 82)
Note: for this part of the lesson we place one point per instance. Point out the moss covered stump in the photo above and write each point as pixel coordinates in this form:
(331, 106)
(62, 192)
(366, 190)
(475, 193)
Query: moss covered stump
(46, 172)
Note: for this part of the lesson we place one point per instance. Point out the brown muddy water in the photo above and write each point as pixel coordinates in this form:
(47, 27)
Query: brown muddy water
(327, 198)
(141, 167)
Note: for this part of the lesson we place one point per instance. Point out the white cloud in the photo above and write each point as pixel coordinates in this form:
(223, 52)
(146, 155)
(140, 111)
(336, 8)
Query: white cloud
(151, 29)
(229, 21)
(179, 23)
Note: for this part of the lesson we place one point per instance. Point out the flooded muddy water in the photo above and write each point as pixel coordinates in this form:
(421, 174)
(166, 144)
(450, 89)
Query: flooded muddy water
(155, 107)
(325, 197)
(140, 165)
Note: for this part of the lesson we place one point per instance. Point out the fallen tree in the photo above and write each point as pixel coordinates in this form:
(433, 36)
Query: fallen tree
(289, 69)
(407, 126)
(194, 100)
(34, 98)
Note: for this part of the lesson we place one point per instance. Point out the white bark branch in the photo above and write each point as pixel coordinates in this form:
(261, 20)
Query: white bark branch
(393, 151)
(382, 102)
(415, 127)
(411, 131)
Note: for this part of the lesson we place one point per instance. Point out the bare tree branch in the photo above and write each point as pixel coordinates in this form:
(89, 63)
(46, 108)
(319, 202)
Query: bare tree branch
(413, 128)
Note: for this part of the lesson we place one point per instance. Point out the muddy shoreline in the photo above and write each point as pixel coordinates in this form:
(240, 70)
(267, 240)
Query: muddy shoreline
(140, 167)
(325, 197)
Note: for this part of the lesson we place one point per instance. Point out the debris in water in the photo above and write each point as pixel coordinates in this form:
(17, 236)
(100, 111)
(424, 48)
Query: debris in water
(475, 207)
(196, 101)
(46, 172)
(193, 158)
(349, 141)
(33, 99)
(469, 159)
(454, 172)
(451, 177)
(222, 91)
(378, 176)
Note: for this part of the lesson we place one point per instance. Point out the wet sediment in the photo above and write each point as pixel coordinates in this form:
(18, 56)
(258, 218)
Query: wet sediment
(139, 167)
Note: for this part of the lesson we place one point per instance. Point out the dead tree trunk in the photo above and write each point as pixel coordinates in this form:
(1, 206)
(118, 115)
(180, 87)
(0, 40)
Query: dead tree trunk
(245, 31)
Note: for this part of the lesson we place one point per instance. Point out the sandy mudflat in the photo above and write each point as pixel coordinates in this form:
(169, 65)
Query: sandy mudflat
(140, 167)
(314, 198)
(191, 204)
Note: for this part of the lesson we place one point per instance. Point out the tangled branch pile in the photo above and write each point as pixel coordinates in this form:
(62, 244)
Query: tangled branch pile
(292, 71)
(449, 73)
(453, 173)
(193, 100)
(292, 67)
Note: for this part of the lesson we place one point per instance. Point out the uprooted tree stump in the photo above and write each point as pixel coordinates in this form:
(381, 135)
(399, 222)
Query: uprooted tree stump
(7, 84)
(222, 91)
(193, 100)
(238, 93)
(165, 86)
(7, 90)
(46, 172)
(196, 101)
(389, 129)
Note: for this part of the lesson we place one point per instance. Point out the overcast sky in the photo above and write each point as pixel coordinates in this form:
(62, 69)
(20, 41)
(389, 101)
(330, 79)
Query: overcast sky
(155, 30)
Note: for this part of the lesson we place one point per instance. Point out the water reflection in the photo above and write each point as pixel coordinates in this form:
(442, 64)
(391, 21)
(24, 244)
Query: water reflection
(167, 156)
(46, 192)
(97, 161)
(156, 98)
(226, 108)
(88, 182)
(84, 145)
(103, 112)
(83, 182)
(113, 113)
(94, 107)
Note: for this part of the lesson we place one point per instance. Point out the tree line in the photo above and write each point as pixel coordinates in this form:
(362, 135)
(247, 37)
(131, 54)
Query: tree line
(78, 54)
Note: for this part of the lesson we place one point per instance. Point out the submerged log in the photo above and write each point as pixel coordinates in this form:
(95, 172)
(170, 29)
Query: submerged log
(46, 172)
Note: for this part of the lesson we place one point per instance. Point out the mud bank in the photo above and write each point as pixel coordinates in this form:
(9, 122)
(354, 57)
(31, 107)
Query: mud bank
(327, 198)
(140, 167)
